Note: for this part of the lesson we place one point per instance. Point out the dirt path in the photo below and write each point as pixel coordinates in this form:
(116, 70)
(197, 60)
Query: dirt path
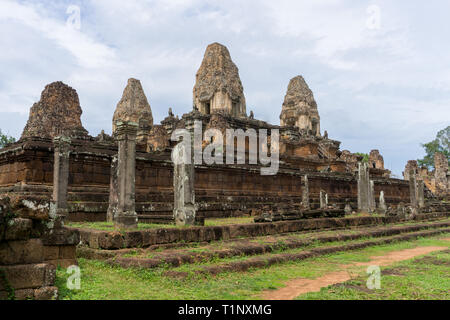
(296, 287)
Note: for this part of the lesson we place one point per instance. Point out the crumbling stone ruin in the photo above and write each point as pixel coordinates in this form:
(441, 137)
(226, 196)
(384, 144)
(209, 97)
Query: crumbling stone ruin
(351, 160)
(32, 245)
(436, 182)
(96, 191)
(57, 112)
(411, 166)
(441, 173)
(57, 172)
(376, 160)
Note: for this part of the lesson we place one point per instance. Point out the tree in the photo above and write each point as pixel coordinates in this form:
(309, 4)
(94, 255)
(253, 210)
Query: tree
(365, 156)
(440, 144)
(4, 139)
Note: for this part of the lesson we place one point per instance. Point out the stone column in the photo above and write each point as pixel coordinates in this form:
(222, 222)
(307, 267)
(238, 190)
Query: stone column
(113, 192)
(305, 192)
(420, 193)
(382, 205)
(60, 179)
(372, 204)
(125, 134)
(363, 187)
(412, 189)
(323, 199)
(183, 187)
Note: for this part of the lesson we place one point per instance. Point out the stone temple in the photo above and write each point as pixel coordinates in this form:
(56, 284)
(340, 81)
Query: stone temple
(131, 172)
(57, 173)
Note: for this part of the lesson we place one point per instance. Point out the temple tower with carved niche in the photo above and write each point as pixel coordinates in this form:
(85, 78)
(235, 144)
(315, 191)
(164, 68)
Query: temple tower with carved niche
(218, 88)
(299, 107)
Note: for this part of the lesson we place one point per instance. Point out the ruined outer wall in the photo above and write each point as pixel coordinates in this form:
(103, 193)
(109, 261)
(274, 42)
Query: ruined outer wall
(220, 190)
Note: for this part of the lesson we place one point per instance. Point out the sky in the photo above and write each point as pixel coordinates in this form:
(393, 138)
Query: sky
(379, 70)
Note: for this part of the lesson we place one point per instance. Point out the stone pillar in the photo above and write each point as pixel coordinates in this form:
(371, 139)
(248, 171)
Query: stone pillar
(382, 205)
(363, 187)
(412, 189)
(305, 192)
(125, 134)
(60, 179)
(113, 192)
(420, 193)
(323, 199)
(183, 187)
(372, 204)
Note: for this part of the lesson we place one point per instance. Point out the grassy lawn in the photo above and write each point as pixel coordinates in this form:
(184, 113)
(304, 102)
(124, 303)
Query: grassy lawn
(227, 221)
(422, 278)
(109, 226)
(101, 281)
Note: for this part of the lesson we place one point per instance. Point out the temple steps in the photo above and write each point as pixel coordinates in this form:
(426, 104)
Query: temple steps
(266, 260)
(263, 246)
(210, 253)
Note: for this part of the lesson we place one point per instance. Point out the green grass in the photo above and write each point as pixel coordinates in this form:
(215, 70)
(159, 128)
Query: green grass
(228, 221)
(102, 281)
(365, 214)
(339, 258)
(423, 278)
(109, 226)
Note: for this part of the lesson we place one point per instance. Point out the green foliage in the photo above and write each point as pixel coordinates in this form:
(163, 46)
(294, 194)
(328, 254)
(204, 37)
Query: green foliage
(4, 139)
(7, 285)
(440, 144)
(364, 155)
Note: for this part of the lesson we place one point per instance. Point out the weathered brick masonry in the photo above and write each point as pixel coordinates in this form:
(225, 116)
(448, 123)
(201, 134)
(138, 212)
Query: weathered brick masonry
(27, 168)
(31, 248)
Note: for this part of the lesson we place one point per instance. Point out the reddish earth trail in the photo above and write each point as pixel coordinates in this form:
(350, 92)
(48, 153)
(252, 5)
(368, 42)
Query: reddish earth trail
(296, 287)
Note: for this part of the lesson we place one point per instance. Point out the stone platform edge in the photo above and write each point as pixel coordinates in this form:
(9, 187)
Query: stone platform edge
(113, 240)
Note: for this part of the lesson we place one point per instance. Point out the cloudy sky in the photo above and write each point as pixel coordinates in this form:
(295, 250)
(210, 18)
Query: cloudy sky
(379, 70)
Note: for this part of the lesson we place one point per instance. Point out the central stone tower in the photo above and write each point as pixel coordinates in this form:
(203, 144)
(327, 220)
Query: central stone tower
(218, 88)
(299, 107)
